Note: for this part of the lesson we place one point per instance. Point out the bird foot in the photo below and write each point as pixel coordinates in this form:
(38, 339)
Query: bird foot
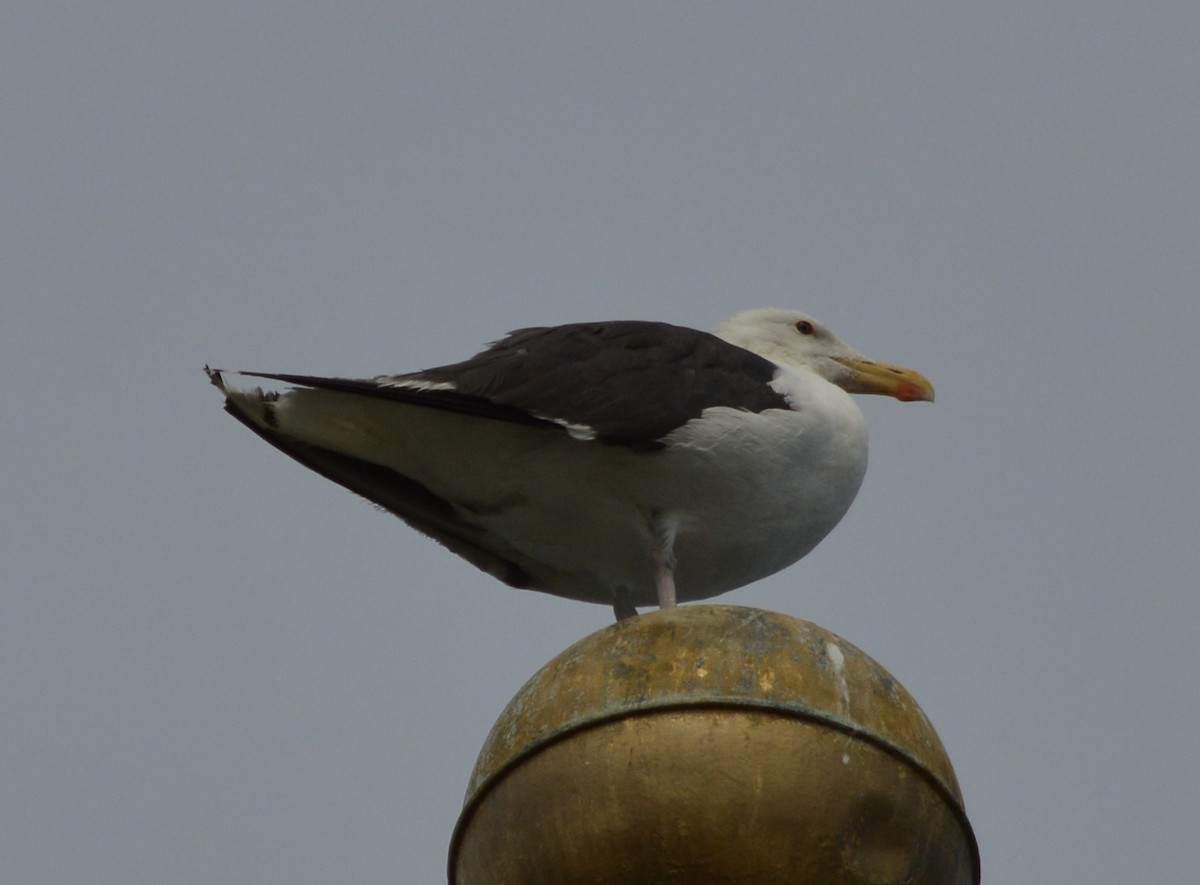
(624, 609)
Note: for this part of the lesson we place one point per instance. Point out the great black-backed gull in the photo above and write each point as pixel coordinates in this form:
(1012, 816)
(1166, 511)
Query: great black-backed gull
(626, 463)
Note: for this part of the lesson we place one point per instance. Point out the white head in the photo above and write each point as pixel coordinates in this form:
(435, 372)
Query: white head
(799, 342)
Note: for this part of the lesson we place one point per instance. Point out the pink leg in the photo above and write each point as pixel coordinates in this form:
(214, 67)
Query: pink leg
(664, 577)
(662, 555)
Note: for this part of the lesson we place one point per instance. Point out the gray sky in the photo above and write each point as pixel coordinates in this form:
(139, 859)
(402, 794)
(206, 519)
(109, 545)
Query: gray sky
(216, 666)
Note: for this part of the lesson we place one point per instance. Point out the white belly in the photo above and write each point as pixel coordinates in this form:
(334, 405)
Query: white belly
(744, 494)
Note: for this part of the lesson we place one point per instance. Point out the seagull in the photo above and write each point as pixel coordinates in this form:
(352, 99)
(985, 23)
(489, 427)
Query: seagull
(625, 463)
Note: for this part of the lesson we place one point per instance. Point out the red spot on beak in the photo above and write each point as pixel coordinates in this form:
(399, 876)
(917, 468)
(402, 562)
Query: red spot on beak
(907, 392)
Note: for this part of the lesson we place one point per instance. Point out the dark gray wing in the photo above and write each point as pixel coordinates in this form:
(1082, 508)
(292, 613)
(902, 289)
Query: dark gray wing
(627, 382)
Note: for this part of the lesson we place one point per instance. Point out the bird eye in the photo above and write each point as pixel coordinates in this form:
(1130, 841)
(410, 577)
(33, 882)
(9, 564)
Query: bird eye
(804, 327)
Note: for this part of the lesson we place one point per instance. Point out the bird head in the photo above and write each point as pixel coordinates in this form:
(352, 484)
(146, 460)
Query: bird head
(796, 340)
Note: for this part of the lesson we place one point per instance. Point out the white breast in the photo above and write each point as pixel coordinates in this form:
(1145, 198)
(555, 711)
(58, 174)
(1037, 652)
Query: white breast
(756, 492)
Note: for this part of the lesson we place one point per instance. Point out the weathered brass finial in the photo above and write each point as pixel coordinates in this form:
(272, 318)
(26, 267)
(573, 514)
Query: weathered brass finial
(713, 744)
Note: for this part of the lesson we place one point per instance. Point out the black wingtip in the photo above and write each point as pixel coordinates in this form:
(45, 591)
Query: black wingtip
(214, 377)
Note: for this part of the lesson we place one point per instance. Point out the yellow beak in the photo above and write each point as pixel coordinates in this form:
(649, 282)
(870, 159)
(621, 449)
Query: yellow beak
(868, 376)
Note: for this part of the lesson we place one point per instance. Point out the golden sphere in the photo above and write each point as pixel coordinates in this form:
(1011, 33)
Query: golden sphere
(713, 744)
